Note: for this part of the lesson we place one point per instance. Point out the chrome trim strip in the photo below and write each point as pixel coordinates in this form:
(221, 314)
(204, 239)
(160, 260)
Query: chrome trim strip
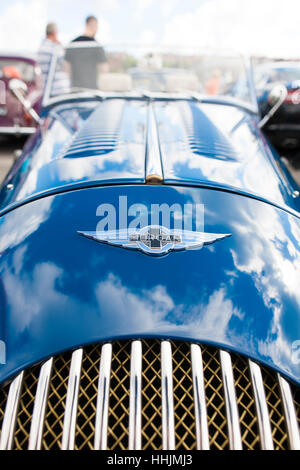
(202, 434)
(261, 407)
(11, 411)
(17, 130)
(68, 438)
(168, 426)
(135, 405)
(83, 45)
(289, 413)
(40, 404)
(251, 82)
(153, 155)
(49, 80)
(100, 441)
(232, 412)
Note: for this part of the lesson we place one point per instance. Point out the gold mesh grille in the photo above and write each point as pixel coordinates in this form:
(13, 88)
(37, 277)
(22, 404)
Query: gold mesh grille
(296, 395)
(275, 410)
(246, 404)
(56, 402)
(185, 428)
(31, 377)
(87, 401)
(3, 398)
(118, 417)
(216, 412)
(151, 396)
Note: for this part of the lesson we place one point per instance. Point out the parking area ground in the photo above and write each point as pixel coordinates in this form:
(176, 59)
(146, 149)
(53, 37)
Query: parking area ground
(294, 167)
(8, 147)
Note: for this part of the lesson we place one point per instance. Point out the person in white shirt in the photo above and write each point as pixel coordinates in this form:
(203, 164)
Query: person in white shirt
(49, 48)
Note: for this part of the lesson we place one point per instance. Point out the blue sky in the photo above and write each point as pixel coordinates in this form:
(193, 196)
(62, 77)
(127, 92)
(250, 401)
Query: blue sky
(269, 27)
(122, 20)
(127, 19)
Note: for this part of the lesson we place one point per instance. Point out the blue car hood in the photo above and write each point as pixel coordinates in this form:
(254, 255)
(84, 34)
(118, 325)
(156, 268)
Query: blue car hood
(199, 143)
(59, 290)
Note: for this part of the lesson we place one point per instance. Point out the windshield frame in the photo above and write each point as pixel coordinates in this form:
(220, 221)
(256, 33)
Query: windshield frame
(251, 106)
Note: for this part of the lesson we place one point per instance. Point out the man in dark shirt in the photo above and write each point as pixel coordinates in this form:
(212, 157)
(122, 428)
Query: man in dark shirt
(91, 29)
(86, 57)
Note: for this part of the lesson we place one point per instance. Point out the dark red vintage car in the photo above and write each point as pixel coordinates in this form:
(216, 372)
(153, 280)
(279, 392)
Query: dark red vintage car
(14, 119)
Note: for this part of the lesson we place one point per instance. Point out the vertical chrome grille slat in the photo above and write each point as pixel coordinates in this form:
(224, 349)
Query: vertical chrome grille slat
(68, 439)
(135, 405)
(232, 413)
(168, 426)
(100, 441)
(202, 434)
(289, 413)
(40, 404)
(261, 407)
(11, 411)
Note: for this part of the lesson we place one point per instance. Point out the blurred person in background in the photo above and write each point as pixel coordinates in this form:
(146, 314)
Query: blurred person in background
(51, 47)
(212, 86)
(87, 57)
(90, 31)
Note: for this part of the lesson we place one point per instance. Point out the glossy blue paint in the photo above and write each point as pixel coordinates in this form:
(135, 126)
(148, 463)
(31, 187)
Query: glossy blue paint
(220, 145)
(60, 290)
(105, 143)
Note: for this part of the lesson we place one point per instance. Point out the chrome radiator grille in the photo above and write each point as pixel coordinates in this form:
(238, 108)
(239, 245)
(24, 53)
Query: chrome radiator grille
(149, 395)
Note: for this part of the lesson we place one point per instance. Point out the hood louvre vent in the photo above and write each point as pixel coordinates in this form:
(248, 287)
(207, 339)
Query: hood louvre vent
(203, 137)
(100, 134)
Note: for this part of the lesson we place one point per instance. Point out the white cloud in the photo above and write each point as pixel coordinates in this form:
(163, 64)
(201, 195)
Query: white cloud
(166, 7)
(148, 37)
(143, 4)
(257, 27)
(22, 25)
(107, 5)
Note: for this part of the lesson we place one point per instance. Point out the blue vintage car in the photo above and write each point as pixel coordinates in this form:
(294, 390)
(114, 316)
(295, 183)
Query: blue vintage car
(150, 265)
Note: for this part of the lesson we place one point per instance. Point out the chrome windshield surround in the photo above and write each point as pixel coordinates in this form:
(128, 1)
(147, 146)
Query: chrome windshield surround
(251, 106)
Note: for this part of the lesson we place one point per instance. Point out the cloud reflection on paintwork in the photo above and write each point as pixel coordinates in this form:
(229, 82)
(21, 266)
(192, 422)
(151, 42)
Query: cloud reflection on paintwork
(155, 310)
(249, 170)
(121, 309)
(23, 223)
(275, 270)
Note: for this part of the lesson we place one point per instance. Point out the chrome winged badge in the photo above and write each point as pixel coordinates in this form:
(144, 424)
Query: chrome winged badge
(155, 240)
